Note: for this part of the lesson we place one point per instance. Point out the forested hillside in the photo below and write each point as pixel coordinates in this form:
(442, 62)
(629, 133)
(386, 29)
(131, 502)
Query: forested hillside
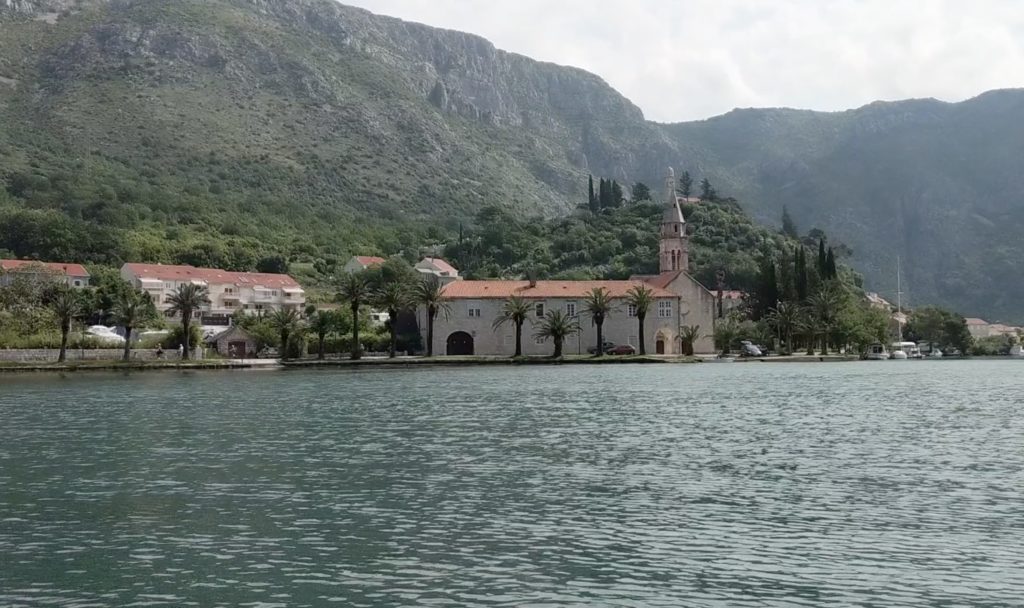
(223, 131)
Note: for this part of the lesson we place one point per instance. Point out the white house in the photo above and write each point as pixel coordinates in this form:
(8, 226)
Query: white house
(439, 268)
(74, 274)
(229, 292)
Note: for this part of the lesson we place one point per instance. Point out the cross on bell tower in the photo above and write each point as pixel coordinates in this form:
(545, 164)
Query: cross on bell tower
(674, 248)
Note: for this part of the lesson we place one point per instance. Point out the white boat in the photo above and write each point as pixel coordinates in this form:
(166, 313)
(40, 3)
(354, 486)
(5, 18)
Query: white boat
(877, 352)
(898, 355)
(905, 350)
(1017, 351)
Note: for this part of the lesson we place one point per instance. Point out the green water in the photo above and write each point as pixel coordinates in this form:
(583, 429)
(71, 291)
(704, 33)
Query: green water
(860, 484)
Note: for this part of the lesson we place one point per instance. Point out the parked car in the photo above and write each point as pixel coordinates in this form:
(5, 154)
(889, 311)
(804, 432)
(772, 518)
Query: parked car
(607, 346)
(621, 349)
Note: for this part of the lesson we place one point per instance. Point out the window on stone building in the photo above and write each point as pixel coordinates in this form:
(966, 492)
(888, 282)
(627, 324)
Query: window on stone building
(631, 310)
(665, 309)
(538, 309)
(570, 309)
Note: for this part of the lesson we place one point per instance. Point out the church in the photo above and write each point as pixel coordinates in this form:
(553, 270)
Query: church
(679, 300)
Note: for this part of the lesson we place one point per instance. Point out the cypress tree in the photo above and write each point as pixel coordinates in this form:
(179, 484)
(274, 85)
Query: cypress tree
(801, 273)
(592, 201)
(685, 184)
(822, 260)
(830, 264)
(706, 191)
(616, 194)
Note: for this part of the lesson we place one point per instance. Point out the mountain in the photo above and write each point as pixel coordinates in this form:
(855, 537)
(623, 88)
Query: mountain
(214, 131)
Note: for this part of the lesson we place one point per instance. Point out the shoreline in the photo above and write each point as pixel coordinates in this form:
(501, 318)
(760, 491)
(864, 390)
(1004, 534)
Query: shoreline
(411, 362)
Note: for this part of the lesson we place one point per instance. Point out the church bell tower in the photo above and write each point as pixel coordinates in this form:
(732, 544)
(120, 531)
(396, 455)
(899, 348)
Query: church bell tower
(674, 249)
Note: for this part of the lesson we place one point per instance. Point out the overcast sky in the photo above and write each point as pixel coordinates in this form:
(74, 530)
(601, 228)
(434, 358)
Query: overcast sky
(690, 59)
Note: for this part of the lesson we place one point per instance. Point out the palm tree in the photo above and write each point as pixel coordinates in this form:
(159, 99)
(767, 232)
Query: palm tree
(322, 323)
(786, 318)
(557, 326)
(66, 305)
(688, 335)
(598, 304)
(131, 308)
(355, 291)
(429, 293)
(824, 306)
(394, 298)
(287, 322)
(640, 298)
(727, 330)
(515, 310)
(189, 298)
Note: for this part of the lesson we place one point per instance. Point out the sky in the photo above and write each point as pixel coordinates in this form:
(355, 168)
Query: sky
(692, 59)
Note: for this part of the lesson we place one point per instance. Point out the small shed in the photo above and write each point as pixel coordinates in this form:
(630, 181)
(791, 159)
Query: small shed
(235, 343)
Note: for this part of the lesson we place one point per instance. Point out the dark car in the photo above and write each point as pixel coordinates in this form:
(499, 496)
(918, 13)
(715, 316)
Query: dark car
(607, 347)
(621, 349)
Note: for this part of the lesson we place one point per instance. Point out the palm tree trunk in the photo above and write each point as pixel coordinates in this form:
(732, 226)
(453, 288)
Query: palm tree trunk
(643, 345)
(65, 329)
(600, 339)
(283, 351)
(356, 351)
(558, 348)
(127, 343)
(394, 336)
(186, 325)
(430, 332)
(519, 340)
(321, 348)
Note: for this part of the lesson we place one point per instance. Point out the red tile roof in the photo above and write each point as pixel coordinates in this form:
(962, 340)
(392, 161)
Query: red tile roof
(71, 270)
(369, 260)
(543, 289)
(662, 280)
(441, 265)
(167, 272)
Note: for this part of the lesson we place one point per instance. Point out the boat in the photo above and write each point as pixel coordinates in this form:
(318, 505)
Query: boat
(898, 355)
(1017, 351)
(909, 349)
(876, 352)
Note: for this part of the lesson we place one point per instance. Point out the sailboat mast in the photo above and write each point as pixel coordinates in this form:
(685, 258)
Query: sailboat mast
(899, 300)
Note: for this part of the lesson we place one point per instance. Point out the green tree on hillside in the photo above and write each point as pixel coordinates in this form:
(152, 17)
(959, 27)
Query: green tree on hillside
(617, 196)
(707, 191)
(592, 203)
(273, 264)
(640, 192)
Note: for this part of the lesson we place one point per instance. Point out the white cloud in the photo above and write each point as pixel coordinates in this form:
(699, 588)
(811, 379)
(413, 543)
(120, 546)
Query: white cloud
(683, 60)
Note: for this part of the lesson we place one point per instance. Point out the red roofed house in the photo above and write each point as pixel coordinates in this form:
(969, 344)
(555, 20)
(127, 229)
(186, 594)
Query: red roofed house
(359, 263)
(75, 274)
(679, 300)
(229, 292)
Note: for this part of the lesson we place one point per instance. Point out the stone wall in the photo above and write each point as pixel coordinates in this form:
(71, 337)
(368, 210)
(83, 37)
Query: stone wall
(96, 354)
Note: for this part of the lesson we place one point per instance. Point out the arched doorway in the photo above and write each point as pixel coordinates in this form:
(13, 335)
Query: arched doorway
(460, 343)
(662, 343)
(659, 346)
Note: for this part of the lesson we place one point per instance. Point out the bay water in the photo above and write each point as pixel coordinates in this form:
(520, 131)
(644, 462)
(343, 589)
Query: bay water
(756, 484)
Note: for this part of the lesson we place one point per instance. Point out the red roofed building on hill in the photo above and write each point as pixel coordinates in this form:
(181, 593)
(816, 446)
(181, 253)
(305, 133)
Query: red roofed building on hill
(359, 263)
(75, 274)
(679, 300)
(229, 292)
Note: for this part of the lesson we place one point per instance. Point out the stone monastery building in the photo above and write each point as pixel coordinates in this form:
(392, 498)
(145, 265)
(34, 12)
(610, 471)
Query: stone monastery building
(679, 300)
